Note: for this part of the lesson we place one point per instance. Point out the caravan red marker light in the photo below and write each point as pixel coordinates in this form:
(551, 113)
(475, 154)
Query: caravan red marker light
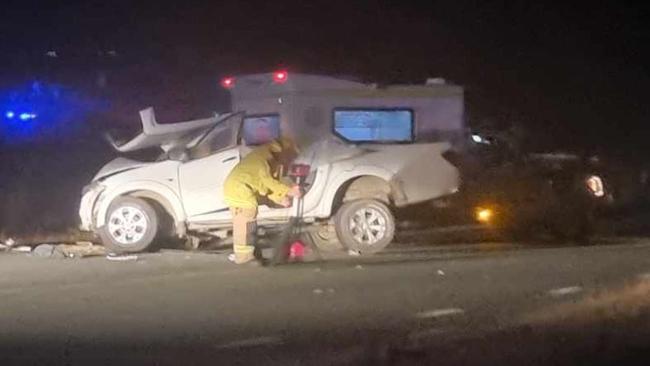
(228, 82)
(280, 76)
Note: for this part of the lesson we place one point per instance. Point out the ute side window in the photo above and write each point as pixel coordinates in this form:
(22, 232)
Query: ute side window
(220, 137)
(374, 125)
(260, 129)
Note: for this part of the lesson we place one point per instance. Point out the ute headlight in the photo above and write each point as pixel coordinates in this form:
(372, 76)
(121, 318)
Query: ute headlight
(595, 185)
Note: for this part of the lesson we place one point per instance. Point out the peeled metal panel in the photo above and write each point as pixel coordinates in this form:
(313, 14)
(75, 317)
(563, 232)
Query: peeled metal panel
(420, 171)
(165, 135)
(425, 174)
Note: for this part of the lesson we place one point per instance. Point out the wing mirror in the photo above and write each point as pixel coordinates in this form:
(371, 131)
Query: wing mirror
(179, 154)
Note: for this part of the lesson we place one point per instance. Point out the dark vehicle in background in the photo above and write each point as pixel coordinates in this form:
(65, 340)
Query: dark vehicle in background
(532, 195)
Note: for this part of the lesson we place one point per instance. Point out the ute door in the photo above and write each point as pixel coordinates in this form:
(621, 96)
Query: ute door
(202, 177)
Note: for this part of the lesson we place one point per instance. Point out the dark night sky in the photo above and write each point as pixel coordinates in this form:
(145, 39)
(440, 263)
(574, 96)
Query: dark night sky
(571, 73)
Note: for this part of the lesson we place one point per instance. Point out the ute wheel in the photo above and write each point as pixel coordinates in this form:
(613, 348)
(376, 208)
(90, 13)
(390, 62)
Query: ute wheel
(131, 225)
(366, 226)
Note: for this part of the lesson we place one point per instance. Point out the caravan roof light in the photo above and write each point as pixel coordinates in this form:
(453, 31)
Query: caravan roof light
(228, 82)
(280, 76)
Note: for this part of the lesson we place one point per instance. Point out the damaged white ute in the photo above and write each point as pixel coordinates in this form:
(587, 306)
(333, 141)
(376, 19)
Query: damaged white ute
(351, 188)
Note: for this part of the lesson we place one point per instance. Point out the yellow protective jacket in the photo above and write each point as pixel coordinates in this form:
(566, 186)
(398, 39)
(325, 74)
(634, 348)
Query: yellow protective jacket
(252, 177)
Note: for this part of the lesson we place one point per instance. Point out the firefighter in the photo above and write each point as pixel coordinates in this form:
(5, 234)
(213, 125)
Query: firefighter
(251, 180)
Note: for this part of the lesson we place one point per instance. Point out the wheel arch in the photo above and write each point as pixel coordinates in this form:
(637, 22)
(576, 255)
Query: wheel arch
(371, 184)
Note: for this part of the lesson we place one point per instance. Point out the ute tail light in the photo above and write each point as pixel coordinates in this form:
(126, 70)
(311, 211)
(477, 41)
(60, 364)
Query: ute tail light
(280, 77)
(299, 170)
(228, 82)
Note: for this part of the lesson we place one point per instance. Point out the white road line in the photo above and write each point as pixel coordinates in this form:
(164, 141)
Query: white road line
(439, 313)
(565, 291)
(252, 342)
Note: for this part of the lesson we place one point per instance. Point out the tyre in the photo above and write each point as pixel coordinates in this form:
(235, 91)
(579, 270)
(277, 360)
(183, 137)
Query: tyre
(366, 226)
(131, 225)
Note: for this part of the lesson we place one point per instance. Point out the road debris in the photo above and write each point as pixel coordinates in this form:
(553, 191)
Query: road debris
(51, 250)
(318, 291)
(46, 251)
(565, 291)
(81, 249)
(358, 266)
(121, 257)
(84, 243)
(441, 272)
(354, 253)
(330, 290)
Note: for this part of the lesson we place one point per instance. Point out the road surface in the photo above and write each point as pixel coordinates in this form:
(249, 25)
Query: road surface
(450, 304)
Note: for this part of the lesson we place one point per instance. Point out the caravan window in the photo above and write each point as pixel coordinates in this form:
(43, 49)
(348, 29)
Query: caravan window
(261, 129)
(374, 125)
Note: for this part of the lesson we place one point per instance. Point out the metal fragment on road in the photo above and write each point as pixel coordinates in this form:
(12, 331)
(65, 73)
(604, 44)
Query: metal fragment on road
(439, 313)
(44, 250)
(122, 258)
(565, 291)
(86, 249)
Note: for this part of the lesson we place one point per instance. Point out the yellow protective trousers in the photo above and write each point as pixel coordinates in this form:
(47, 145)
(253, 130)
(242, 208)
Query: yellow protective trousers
(244, 231)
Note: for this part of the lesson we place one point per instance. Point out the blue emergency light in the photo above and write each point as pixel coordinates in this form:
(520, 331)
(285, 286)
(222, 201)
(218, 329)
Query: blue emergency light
(27, 116)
